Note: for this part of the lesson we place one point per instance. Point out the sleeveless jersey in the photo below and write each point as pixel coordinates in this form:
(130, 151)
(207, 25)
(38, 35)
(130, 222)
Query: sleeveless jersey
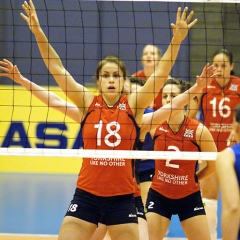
(176, 179)
(108, 129)
(218, 106)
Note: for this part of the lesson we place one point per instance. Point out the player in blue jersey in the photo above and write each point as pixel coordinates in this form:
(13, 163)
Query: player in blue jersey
(228, 172)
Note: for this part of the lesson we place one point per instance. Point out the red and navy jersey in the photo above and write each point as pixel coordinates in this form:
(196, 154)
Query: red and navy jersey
(218, 107)
(176, 179)
(108, 128)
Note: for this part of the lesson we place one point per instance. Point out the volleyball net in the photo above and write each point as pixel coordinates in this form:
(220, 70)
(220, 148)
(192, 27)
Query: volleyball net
(84, 32)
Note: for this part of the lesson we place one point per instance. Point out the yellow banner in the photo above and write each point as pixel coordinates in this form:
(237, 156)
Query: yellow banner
(27, 122)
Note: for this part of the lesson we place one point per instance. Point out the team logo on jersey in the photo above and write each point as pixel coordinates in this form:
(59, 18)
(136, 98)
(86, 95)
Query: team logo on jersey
(162, 129)
(188, 133)
(122, 106)
(97, 104)
(233, 87)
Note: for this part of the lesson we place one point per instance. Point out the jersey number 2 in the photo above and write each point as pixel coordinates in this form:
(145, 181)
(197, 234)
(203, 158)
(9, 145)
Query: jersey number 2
(168, 164)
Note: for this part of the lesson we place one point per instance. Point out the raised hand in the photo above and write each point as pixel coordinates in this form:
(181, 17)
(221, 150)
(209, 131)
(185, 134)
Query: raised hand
(31, 16)
(231, 140)
(10, 71)
(183, 24)
(206, 76)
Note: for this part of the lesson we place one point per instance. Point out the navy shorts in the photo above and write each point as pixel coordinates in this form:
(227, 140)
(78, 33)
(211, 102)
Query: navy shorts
(185, 208)
(108, 210)
(140, 207)
(146, 176)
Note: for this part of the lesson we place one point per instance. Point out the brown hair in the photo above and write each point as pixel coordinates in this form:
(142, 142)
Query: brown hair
(181, 84)
(111, 59)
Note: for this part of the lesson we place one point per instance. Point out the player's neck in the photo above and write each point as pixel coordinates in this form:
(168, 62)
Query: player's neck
(222, 82)
(175, 121)
(148, 71)
(111, 100)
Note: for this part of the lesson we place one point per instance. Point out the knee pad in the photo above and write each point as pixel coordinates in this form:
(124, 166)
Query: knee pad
(210, 206)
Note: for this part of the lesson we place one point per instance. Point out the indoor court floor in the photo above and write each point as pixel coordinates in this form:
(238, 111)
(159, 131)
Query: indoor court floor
(33, 205)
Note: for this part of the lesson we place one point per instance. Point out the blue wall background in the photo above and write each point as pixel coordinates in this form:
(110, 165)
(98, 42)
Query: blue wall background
(83, 32)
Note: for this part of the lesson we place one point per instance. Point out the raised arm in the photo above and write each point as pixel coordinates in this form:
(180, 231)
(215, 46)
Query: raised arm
(74, 91)
(146, 94)
(151, 120)
(47, 97)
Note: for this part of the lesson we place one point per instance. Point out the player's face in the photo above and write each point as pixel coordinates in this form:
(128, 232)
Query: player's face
(150, 56)
(111, 79)
(169, 92)
(222, 66)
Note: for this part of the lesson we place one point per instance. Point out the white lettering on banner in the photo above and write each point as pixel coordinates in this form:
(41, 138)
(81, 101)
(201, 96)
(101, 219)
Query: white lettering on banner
(172, 178)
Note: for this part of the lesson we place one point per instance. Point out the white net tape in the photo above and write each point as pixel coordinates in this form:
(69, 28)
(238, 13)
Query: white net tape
(81, 153)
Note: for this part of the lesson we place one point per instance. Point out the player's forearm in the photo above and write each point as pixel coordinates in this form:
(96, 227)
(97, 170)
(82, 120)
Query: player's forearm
(39, 92)
(166, 63)
(49, 55)
(183, 99)
(171, 53)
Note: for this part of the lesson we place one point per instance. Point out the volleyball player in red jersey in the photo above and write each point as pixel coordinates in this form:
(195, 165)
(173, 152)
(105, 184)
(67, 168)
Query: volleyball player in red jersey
(151, 56)
(175, 188)
(105, 187)
(218, 101)
(54, 101)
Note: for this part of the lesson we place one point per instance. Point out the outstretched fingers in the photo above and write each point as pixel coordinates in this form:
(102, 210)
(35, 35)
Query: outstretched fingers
(184, 14)
(5, 71)
(206, 76)
(192, 23)
(184, 17)
(30, 16)
(9, 70)
(207, 70)
(188, 18)
(210, 71)
(178, 17)
(5, 65)
(26, 8)
(29, 9)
